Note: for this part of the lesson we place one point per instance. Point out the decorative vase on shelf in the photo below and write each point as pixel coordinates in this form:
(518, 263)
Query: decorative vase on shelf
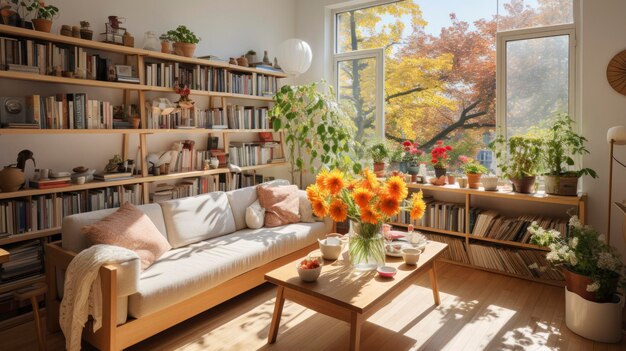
(11, 179)
(404, 167)
(413, 169)
(366, 246)
(151, 42)
(440, 172)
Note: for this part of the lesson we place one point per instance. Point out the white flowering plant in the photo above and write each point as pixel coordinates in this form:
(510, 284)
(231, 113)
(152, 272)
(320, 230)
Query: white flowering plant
(583, 251)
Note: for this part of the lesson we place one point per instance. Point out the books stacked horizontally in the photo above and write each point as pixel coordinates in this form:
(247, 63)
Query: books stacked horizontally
(50, 183)
(527, 263)
(490, 224)
(189, 187)
(245, 154)
(111, 177)
(456, 247)
(195, 77)
(26, 261)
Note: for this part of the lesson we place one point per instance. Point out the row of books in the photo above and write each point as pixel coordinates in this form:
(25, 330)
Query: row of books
(527, 263)
(239, 117)
(266, 85)
(245, 154)
(26, 260)
(438, 214)
(66, 111)
(18, 216)
(194, 77)
(456, 247)
(240, 83)
(491, 224)
(26, 55)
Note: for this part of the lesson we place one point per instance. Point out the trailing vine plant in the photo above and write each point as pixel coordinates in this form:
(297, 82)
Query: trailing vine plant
(316, 129)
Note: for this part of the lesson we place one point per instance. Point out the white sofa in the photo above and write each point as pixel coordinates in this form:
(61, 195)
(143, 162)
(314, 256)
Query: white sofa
(214, 257)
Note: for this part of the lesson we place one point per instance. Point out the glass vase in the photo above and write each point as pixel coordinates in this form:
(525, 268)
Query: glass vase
(366, 246)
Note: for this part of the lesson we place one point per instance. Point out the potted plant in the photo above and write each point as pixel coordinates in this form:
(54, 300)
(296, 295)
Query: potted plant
(439, 158)
(379, 154)
(473, 170)
(412, 156)
(561, 145)
(165, 43)
(519, 159)
(315, 126)
(44, 14)
(184, 41)
(593, 273)
(21, 12)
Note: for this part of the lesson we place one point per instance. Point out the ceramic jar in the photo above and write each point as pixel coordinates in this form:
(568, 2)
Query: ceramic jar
(11, 179)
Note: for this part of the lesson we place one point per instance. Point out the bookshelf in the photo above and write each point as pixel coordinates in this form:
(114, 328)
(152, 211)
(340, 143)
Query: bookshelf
(467, 241)
(139, 59)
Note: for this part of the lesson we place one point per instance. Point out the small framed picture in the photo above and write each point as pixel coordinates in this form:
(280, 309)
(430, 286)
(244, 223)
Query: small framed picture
(123, 71)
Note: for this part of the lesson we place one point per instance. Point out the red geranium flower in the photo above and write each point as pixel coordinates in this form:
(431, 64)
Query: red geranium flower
(448, 147)
(407, 143)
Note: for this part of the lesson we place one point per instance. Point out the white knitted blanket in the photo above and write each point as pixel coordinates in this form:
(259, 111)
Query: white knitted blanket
(82, 293)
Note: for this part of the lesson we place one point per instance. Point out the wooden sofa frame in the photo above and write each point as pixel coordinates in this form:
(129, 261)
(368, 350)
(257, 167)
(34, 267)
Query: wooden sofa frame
(114, 337)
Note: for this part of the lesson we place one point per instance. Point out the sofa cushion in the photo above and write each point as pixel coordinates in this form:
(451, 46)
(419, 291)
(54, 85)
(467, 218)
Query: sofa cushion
(241, 199)
(74, 240)
(187, 271)
(197, 218)
(255, 216)
(305, 208)
(130, 228)
(281, 204)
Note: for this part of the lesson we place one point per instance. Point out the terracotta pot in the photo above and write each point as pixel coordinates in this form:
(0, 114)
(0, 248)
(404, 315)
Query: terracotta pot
(136, 122)
(11, 179)
(525, 185)
(451, 180)
(165, 47)
(561, 185)
(473, 179)
(379, 169)
(42, 25)
(577, 283)
(184, 49)
(440, 172)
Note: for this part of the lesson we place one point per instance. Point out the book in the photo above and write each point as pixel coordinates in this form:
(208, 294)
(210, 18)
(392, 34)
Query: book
(112, 176)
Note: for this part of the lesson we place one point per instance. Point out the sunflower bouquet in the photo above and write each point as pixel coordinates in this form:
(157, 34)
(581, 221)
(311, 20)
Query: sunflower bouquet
(367, 202)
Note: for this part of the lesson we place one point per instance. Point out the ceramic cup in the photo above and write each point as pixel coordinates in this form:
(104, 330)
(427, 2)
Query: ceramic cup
(81, 180)
(411, 255)
(462, 182)
(44, 173)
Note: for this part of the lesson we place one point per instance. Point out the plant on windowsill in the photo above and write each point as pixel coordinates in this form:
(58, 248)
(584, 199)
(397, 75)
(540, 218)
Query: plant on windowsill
(43, 15)
(519, 159)
(561, 145)
(439, 158)
(184, 41)
(473, 170)
(21, 11)
(315, 127)
(379, 154)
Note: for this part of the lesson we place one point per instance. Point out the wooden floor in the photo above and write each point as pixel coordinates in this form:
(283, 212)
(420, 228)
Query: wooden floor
(478, 311)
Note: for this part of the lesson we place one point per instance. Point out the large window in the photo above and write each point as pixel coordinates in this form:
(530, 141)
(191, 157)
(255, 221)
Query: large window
(439, 69)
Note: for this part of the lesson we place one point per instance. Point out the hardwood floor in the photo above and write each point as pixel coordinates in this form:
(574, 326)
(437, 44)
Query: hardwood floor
(478, 311)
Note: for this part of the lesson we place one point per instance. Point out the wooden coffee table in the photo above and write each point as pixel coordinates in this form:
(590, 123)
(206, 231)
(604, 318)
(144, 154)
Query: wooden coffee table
(345, 294)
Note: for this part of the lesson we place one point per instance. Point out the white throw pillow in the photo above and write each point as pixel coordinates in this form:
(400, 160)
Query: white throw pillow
(255, 215)
(306, 211)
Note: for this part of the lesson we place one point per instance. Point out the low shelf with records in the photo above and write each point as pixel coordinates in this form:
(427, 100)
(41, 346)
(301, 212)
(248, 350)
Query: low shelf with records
(81, 69)
(495, 237)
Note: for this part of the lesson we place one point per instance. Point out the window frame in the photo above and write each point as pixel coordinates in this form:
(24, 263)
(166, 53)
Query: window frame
(502, 38)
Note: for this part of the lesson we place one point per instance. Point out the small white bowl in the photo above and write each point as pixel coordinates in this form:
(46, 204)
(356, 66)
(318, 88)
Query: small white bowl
(411, 255)
(386, 271)
(309, 275)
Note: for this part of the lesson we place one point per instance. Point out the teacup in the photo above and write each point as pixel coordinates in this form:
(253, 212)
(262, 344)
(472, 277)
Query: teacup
(411, 255)
(462, 182)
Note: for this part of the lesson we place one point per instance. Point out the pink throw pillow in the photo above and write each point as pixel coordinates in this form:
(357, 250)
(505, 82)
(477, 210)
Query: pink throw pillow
(129, 228)
(281, 204)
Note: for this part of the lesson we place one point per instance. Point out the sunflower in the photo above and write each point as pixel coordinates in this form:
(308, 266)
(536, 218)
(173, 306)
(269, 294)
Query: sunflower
(396, 188)
(320, 179)
(314, 193)
(369, 181)
(320, 208)
(389, 206)
(369, 216)
(338, 210)
(418, 206)
(334, 182)
(362, 197)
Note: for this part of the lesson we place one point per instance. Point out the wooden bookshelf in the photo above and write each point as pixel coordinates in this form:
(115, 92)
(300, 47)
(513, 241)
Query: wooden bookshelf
(578, 202)
(137, 58)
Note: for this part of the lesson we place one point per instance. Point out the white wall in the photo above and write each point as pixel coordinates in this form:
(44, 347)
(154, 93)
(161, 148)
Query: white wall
(601, 35)
(227, 28)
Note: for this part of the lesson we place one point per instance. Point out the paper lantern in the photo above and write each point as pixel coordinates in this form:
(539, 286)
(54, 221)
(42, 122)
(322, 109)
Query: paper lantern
(295, 56)
(617, 134)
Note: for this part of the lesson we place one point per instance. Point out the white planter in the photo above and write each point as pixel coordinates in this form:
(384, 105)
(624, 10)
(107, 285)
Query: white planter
(596, 321)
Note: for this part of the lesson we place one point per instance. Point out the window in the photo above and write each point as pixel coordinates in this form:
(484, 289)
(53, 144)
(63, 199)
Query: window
(439, 63)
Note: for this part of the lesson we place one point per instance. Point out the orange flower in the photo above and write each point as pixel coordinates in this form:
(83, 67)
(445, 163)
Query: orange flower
(389, 206)
(362, 197)
(338, 210)
(334, 182)
(369, 181)
(320, 208)
(320, 179)
(396, 188)
(369, 216)
(418, 206)
(313, 193)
